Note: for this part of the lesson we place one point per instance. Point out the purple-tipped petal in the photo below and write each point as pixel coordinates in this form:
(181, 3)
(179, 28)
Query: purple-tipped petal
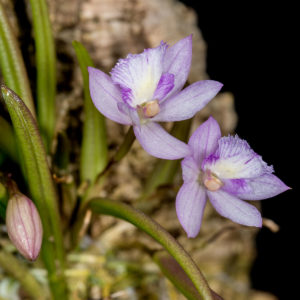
(138, 74)
(235, 209)
(235, 159)
(263, 187)
(190, 204)
(177, 61)
(106, 96)
(190, 170)
(204, 140)
(188, 102)
(165, 85)
(159, 143)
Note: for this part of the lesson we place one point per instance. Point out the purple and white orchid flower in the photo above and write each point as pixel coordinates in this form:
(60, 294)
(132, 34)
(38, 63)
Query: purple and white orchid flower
(145, 89)
(225, 170)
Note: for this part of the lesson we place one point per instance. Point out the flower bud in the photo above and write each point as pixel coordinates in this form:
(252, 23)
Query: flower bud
(24, 225)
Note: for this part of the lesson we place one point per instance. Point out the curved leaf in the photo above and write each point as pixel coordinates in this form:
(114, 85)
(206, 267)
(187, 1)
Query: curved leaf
(146, 224)
(172, 270)
(46, 69)
(94, 144)
(41, 187)
(19, 271)
(12, 64)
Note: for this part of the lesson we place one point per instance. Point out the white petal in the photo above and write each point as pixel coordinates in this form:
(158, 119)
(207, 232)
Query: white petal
(159, 143)
(235, 159)
(190, 204)
(177, 61)
(235, 209)
(263, 187)
(204, 141)
(106, 96)
(138, 75)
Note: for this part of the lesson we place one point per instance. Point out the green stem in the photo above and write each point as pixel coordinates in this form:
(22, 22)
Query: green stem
(12, 64)
(121, 152)
(93, 191)
(16, 269)
(46, 69)
(140, 220)
(94, 143)
(42, 189)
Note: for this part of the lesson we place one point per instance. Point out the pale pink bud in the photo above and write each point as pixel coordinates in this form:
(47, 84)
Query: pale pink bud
(24, 225)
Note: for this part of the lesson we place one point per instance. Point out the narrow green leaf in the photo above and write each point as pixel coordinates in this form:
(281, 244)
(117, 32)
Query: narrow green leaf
(94, 152)
(7, 140)
(11, 63)
(146, 224)
(19, 271)
(172, 270)
(164, 171)
(46, 69)
(41, 187)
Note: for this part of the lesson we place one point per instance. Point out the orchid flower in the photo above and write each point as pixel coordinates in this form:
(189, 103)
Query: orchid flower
(226, 171)
(145, 89)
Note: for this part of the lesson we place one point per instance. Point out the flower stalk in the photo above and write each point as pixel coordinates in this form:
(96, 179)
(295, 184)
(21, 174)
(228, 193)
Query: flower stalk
(18, 270)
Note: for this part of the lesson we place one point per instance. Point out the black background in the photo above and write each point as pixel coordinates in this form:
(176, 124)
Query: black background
(250, 51)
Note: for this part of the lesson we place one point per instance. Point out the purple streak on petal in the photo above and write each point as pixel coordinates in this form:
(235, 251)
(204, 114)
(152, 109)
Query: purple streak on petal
(177, 61)
(263, 187)
(105, 96)
(165, 85)
(235, 209)
(204, 140)
(138, 74)
(190, 170)
(188, 102)
(190, 204)
(235, 186)
(159, 143)
(235, 159)
(131, 112)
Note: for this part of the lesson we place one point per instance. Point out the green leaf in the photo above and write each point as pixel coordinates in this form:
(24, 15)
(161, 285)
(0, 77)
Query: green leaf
(164, 171)
(172, 270)
(46, 69)
(7, 140)
(19, 271)
(146, 224)
(41, 187)
(11, 63)
(94, 152)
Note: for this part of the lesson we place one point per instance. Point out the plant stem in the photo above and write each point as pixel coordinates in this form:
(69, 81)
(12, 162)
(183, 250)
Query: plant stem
(41, 186)
(15, 268)
(140, 220)
(46, 69)
(93, 158)
(12, 64)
